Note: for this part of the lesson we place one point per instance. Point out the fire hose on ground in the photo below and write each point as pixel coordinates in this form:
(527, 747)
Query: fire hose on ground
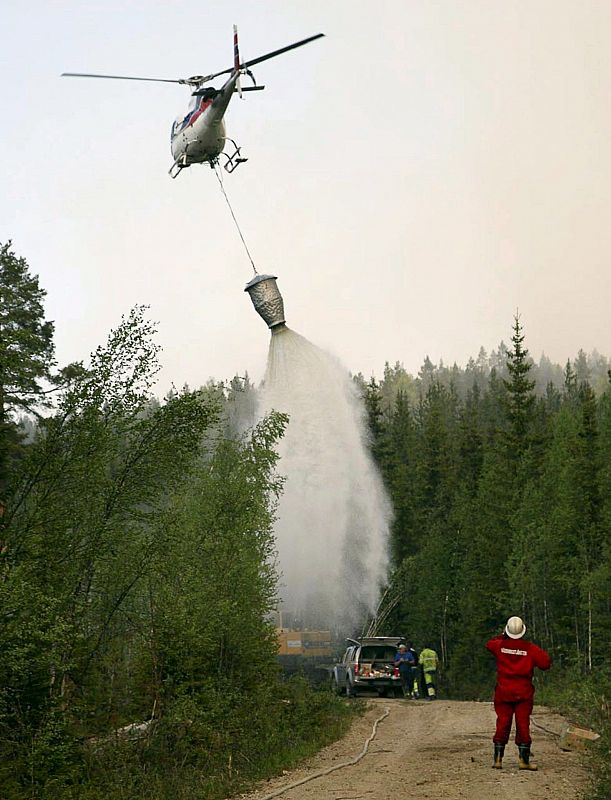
(329, 770)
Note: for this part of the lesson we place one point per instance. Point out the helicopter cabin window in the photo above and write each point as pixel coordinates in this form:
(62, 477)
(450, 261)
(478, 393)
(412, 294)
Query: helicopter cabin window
(182, 119)
(177, 124)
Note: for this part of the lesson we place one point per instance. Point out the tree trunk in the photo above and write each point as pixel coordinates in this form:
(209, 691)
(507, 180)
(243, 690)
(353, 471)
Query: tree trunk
(589, 630)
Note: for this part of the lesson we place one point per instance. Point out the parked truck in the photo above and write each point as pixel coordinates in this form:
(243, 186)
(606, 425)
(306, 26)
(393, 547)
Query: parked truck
(369, 663)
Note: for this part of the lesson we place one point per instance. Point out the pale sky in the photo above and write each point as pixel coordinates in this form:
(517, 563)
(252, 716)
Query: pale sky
(413, 178)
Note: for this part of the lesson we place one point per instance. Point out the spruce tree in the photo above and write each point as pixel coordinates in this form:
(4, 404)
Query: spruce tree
(590, 533)
(520, 396)
(377, 422)
(570, 381)
(470, 441)
(399, 473)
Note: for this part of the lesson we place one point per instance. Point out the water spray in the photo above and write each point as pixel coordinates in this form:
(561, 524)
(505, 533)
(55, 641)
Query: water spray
(333, 516)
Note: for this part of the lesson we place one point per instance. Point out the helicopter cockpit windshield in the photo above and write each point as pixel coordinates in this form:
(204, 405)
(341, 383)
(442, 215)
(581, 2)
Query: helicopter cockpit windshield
(182, 119)
(198, 101)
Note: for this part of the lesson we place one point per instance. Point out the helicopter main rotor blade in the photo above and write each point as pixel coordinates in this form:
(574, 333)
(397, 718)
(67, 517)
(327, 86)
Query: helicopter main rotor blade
(120, 77)
(273, 54)
(197, 80)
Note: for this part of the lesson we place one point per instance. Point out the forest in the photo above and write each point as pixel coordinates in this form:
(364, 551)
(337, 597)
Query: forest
(502, 500)
(137, 577)
(501, 489)
(137, 561)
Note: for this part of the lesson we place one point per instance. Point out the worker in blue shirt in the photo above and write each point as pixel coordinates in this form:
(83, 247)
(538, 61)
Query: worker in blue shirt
(414, 686)
(404, 659)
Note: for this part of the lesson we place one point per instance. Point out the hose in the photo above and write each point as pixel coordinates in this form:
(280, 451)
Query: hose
(547, 730)
(329, 770)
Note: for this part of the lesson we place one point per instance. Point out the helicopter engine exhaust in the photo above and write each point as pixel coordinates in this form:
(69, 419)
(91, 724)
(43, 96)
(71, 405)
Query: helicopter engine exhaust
(267, 300)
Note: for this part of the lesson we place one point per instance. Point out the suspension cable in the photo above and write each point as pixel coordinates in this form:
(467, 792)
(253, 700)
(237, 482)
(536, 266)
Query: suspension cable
(218, 177)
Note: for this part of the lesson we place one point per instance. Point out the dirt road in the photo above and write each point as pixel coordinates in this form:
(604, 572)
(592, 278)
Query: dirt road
(436, 750)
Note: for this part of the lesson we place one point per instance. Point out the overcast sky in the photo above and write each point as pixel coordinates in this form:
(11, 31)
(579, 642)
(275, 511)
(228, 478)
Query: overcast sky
(413, 178)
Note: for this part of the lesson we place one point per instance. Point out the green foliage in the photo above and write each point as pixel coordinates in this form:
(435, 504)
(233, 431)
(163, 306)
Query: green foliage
(501, 488)
(137, 581)
(26, 352)
(502, 506)
(218, 590)
(219, 743)
(26, 338)
(520, 397)
(80, 540)
(137, 561)
(587, 702)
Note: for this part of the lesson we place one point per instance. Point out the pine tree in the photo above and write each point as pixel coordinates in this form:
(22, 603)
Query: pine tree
(26, 338)
(26, 350)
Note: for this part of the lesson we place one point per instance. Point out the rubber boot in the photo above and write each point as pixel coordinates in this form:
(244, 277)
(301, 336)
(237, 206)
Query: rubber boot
(499, 752)
(524, 758)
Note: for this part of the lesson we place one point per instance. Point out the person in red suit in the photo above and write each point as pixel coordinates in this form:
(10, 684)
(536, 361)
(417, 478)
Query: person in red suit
(516, 660)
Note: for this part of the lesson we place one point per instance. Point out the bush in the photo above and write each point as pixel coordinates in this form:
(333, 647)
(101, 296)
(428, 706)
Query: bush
(586, 702)
(218, 742)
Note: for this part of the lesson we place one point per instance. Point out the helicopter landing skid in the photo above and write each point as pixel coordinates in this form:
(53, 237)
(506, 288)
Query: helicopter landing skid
(235, 159)
(178, 166)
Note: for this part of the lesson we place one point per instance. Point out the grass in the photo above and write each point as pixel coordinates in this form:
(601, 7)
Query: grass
(207, 748)
(586, 702)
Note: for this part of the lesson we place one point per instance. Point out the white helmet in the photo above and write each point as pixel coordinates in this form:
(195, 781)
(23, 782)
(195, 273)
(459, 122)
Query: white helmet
(515, 628)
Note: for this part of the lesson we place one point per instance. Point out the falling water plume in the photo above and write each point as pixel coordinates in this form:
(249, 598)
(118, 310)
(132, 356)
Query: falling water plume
(333, 516)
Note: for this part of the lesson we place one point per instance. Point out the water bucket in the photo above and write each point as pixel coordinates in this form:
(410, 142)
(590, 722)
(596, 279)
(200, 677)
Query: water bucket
(266, 299)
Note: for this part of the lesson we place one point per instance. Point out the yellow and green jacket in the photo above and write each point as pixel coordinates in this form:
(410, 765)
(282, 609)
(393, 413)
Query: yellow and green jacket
(428, 659)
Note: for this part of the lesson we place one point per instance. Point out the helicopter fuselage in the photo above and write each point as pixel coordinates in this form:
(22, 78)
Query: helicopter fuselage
(200, 135)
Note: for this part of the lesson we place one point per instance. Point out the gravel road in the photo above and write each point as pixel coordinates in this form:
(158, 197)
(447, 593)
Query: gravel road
(439, 750)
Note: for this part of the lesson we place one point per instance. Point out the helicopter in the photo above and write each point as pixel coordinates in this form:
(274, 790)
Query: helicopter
(199, 136)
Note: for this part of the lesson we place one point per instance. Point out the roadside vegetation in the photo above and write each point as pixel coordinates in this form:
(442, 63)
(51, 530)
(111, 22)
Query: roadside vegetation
(137, 578)
(585, 703)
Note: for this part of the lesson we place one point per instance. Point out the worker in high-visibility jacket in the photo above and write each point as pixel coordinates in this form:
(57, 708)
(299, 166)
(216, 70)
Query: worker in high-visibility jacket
(429, 662)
